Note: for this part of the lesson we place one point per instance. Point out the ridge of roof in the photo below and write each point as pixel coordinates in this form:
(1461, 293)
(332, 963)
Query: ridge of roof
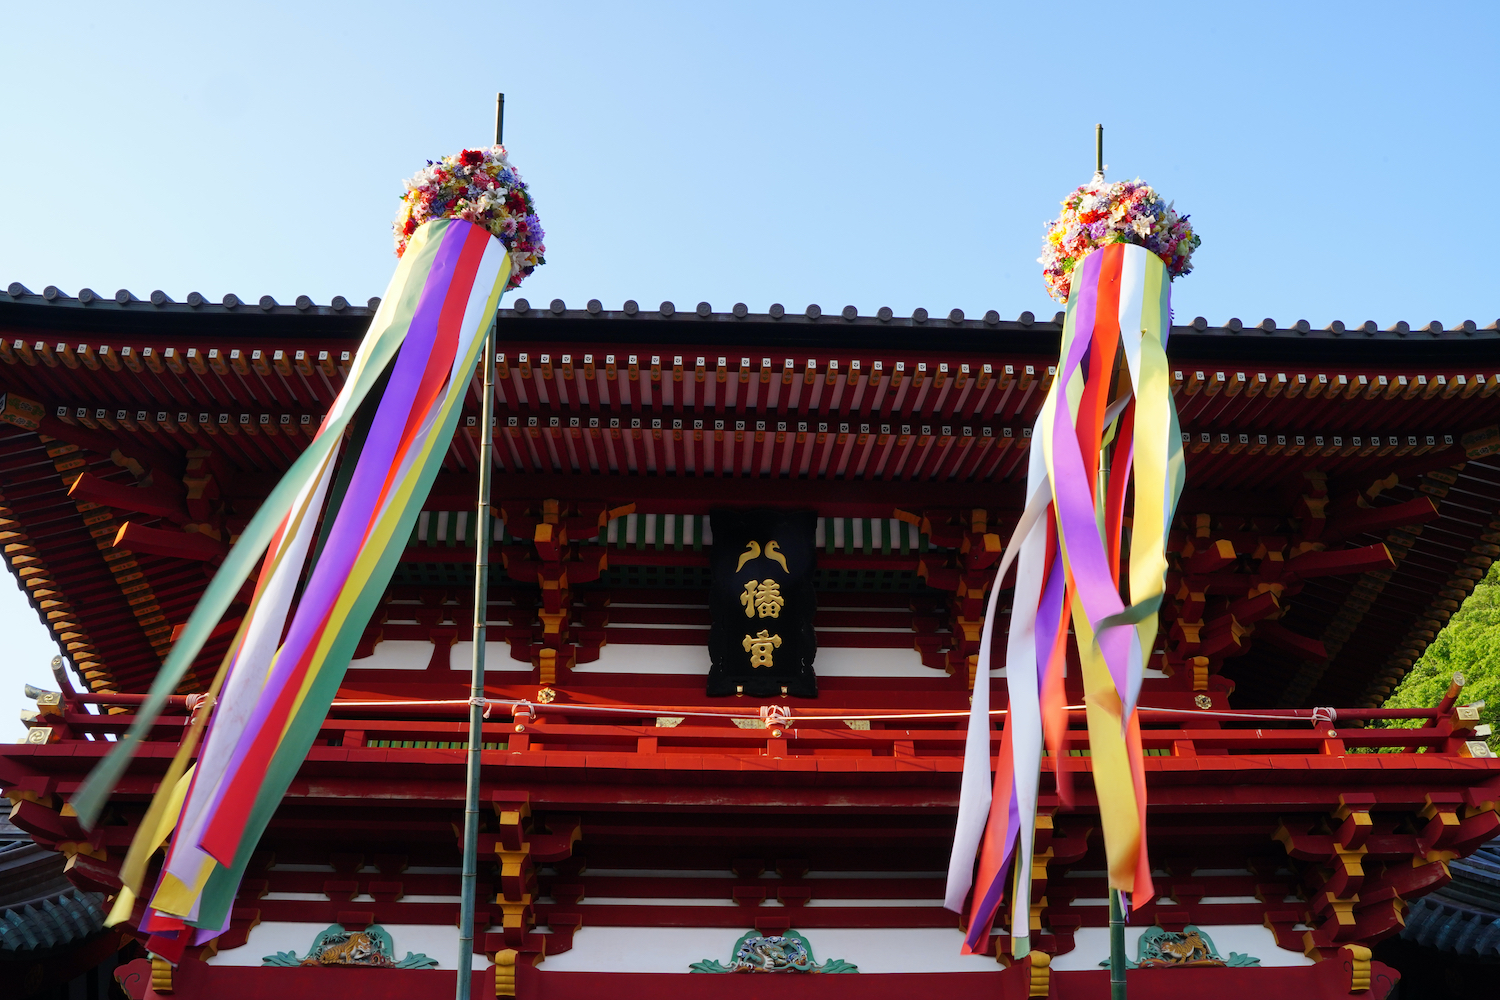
(159, 301)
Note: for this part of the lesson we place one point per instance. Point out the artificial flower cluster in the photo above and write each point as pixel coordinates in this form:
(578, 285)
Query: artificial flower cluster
(478, 186)
(1124, 212)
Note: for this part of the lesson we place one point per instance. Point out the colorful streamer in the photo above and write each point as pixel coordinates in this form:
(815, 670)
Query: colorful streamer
(433, 323)
(1112, 398)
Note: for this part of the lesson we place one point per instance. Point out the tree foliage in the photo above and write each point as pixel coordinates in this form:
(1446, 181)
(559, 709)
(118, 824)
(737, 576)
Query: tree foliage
(1468, 645)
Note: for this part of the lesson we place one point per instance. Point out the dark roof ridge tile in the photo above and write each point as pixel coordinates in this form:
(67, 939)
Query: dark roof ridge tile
(17, 293)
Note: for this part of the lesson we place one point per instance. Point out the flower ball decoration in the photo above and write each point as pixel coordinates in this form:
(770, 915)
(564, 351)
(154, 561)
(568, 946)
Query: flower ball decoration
(478, 186)
(1099, 213)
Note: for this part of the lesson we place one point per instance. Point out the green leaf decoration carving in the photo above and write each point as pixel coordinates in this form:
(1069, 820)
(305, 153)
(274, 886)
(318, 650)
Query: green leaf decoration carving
(371, 948)
(1163, 949)
(416, 960)
(757, 952)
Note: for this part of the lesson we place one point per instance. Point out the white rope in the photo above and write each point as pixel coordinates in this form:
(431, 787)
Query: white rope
(1314, 716)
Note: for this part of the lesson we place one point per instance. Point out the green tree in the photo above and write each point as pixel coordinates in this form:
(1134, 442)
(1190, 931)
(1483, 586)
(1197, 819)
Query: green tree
(1468, 645)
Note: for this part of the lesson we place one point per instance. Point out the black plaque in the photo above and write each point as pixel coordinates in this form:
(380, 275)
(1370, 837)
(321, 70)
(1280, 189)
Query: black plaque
(762, 641)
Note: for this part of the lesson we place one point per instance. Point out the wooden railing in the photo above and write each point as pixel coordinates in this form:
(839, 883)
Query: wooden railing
(520, 727)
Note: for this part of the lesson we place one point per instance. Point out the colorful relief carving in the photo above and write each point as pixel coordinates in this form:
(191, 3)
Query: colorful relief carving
(1163, 949)
(757, 952)
(371, 947)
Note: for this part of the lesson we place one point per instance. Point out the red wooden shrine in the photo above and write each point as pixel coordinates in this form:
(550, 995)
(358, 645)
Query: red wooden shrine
(1343, 497)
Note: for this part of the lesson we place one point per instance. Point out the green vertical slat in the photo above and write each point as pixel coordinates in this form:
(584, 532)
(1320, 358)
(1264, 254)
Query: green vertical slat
(698, 522)
(869, 527)
(829, 536)
(661, 531)
(885, 536)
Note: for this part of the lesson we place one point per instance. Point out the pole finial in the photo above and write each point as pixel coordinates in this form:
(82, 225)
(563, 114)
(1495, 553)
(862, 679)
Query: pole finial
(499, 119)
(1098, 152)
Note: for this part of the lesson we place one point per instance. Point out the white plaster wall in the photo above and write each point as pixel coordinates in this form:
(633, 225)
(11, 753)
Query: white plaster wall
(415, 654)
(629, 658)
(832, 661)
(673, 949)
(632, 658)
(433, 940)
(497, 658)
(396, 654)
(1092, 946)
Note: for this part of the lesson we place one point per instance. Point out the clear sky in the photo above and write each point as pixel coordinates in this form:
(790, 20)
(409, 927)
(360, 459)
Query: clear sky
(1335, 157)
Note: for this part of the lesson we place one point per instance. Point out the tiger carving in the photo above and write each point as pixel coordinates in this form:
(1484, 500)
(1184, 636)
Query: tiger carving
(355, 949)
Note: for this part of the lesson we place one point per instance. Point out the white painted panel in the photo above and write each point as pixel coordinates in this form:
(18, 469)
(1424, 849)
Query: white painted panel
(846, 901)
(832, 661)
(1092, 946)
(396, 654)
(845, 661)
(436, 941)
(497, 658)
(673, 949)
(303, 896)
(628, 658)
(415, 654)
(671, 901)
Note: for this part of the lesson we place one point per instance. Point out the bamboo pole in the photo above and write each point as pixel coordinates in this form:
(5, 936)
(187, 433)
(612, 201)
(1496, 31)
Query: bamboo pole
(469, 879)
(1116, 947)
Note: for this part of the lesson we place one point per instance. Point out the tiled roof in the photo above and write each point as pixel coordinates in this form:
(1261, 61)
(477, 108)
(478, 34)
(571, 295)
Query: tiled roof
(862, 414)
(162, 302)
(812, 317)
(39, 907)
(1463, 917)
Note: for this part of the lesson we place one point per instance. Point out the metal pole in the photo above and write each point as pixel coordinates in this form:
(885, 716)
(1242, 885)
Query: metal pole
(476, 682)
(1116, 947)
(1099, 152)
(468, 885)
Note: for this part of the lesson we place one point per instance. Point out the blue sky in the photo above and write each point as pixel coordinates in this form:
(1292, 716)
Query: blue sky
(1334, 156)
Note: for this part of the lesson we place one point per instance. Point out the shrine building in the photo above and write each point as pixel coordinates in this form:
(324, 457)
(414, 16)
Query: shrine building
(674, 810)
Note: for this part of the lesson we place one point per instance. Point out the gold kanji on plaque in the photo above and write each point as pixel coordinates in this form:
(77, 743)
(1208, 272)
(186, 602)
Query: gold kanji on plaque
(763, 598)
(759, 647)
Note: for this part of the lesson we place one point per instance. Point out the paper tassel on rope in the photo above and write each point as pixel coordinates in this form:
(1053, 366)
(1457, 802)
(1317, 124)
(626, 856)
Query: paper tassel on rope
(430, 331)
(1111, 400)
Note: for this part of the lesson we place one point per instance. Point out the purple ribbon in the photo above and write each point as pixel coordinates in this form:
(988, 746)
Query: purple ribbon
(1073, 495)
(995, 891)
(376, 459)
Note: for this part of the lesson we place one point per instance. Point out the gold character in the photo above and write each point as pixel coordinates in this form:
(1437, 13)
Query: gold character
(759, 647)
(752, 551)
(762, 597)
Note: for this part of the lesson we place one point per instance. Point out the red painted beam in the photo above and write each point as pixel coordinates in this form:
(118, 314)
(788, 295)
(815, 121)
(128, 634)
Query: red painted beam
(1372, 520)
(1340, 561)
(134, 499)
(172, 544)
(1278, 635)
